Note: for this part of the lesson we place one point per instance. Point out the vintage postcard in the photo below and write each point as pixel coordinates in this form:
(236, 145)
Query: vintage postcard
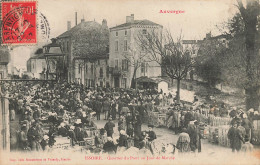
(129, 82)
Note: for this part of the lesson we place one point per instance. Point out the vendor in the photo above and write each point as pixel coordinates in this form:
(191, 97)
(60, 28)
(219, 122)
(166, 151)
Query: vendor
(151, 133)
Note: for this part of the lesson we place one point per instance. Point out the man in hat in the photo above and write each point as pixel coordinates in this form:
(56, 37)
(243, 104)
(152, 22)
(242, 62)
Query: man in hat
(97, 108)
(31, 135)
(109, 127)
(22, 138)
(122, 141)
(62, 130)
(78, 130)
(193, 135)
(72, 136)
(151, 133)
(106, 108)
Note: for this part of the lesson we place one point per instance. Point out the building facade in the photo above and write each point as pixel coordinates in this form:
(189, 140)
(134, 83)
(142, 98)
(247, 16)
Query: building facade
(4, 60)
(86, 52)
(125, 52)
(36, 65)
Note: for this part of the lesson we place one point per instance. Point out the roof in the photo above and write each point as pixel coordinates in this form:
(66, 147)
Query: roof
(137, 22)
(144, 79)
(93, 56)
(226, 36)
(38, 56)
(85, 24)
(190, 41)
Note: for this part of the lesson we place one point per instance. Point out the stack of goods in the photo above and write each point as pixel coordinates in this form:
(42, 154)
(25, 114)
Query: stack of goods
(61, 143)
(153, 118)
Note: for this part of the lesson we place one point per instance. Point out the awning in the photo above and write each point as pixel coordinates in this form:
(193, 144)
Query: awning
(145, 79)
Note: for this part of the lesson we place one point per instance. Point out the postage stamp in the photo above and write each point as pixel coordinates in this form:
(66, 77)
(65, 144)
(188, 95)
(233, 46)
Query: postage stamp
(19, 22)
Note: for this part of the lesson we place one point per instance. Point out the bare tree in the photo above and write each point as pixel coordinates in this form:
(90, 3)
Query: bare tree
(136, 57)
(173, 57)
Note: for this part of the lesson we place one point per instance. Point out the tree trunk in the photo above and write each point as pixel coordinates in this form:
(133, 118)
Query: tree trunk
(252, 98)
(249, 15)
(178, 90)
(133, 82)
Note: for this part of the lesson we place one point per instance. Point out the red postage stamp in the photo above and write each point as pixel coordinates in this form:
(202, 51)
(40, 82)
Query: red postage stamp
(19, 22)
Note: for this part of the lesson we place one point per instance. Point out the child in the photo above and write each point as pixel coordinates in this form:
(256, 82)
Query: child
(247, 146)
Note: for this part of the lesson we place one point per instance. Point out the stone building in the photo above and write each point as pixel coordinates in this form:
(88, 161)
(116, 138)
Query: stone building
(124, 52)
(36, 64)
(86, 52)
(4, 60)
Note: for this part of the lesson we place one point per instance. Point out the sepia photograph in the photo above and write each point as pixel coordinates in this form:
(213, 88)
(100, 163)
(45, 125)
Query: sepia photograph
(130, 82)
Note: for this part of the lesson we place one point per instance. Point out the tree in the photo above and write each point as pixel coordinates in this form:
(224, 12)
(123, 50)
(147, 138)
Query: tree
(174, 58)
(209, 59)
(135, 59)
(241, 63)
(249, 15)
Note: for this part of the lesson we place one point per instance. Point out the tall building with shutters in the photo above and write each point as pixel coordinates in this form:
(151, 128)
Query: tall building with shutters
(123, 49)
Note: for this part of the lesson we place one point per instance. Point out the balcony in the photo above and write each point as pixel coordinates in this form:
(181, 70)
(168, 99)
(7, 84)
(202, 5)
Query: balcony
(115, 71)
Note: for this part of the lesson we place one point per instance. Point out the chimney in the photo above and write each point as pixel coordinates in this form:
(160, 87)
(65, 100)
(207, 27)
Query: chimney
(53, 40)
(104, 22)
(208, 35)
(76, 19)
(130, 19)
(68, 25)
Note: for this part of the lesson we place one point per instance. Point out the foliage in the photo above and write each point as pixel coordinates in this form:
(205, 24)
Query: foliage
(172, 56)
(90, 41)
(209, 60)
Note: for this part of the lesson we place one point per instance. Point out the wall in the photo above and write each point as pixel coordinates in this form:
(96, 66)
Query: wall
(152, 69)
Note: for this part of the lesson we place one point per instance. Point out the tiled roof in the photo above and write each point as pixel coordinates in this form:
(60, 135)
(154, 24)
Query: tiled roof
(81, 25)
(137, 22)
(38, 56)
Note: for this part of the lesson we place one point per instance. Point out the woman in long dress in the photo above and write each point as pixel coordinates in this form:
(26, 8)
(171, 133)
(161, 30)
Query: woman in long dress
(183, 143)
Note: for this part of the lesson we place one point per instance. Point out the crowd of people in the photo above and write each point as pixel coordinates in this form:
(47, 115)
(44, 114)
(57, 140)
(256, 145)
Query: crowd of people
(68, 109)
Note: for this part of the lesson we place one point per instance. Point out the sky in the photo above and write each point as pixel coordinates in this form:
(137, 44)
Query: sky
(199, 17)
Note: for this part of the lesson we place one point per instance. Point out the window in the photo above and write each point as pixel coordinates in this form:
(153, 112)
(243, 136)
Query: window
(116, 64)
(125, 32)
(143, 67)
(79, 68)
(146, 67)
(67, 46)
(86, 69)
(92, 69)
(63, 46)
(125, 65)
(116, 33)
(98, 61)
(125, 45)
(116, 46)
(101, 73)
(43, 65)
(144, 31)
(107, 71)
(106, 62)
(124, 80)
